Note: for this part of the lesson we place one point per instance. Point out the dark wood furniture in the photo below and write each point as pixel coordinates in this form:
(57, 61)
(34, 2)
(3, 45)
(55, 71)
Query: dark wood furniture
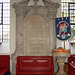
(34, 65)
(71, 61)
(66, 68)
(72, 69)
(4, 64)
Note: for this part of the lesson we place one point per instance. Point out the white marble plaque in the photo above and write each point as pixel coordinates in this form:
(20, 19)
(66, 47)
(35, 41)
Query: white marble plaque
(36, 36)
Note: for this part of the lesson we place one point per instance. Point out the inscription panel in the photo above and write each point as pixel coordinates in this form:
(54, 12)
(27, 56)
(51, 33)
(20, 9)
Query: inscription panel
(36, 36)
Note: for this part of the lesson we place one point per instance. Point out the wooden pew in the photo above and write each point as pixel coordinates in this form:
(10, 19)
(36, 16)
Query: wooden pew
(71, 68)
(4, 64)
(71, 61)
(34, 65)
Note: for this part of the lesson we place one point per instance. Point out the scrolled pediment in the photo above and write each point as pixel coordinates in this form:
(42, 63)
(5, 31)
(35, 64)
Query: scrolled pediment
(50, 3)
(22, 3)
(22, 7)
(47, 3)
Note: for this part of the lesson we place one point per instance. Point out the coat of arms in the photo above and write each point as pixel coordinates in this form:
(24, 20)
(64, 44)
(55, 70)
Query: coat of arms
(63, 31)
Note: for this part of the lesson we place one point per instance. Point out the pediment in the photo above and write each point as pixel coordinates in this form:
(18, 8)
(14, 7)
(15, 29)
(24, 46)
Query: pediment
(22, 3)
(50, 3)
(47, 3)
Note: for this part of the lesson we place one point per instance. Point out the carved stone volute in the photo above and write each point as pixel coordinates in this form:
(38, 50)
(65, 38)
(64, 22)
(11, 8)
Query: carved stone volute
(49, 4)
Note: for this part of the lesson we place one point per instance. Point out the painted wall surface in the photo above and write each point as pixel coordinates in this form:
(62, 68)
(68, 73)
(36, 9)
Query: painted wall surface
(4, 49)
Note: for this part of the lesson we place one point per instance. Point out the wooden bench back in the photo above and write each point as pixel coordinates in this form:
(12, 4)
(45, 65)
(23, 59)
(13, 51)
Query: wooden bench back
(35, 62)
(4, 61)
